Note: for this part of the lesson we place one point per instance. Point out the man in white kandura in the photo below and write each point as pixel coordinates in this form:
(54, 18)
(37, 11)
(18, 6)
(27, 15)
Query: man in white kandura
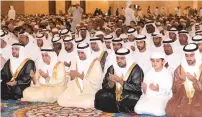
(86, 75)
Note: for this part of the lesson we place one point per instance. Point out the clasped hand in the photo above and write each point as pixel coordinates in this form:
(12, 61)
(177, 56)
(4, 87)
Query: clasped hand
(114, 78)
(75, 73)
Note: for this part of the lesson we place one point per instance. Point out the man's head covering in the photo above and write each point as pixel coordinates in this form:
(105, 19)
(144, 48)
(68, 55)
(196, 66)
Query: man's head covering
(171, 43)
(83, 65)
(98, 41)
(123, 52)
(40, 36)
(123, 36)
(87, 32)
(69, 39)
(55, 30)
(108, 38)
(117, 40)
(191, 48)
(174, 30)
(99, 33)
(65, 32)
(149, 22)
(25, 34)
(141, 38)
(116, 31)
(157, 55)
(64, 55)
(187, 34)
(199, 32)
(15, 62)
(3, 36)
(56, 39)
(49, 49)
(197, 39)
(128, 3)
(132, 31)
(157, 35)
(53, 60)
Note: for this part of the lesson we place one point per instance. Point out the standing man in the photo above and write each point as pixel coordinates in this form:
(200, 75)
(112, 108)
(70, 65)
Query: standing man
(77, 15)
(11, 13)
(109, 11)
(117, 12)
(129, 14)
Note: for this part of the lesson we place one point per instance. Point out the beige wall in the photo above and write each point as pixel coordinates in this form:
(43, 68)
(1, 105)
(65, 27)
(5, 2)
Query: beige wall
(60, 5)
(199, 4)
(169, 6)
(33, 7)
(41, 7)
(19, 6)
(75, 2)
(92, 5)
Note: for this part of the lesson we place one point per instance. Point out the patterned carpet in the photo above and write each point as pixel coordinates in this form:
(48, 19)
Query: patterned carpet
(18, 108)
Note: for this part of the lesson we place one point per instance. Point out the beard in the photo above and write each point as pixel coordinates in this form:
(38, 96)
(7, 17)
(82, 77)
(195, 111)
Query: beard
(40, 44)
(190, 62)
(121, 65)
(140, 48)
(157, 44)
(68, 49)
(15, 55)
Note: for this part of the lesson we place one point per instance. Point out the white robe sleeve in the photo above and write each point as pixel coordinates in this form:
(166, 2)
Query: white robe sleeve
(81, 10)
(70, 10)
(165, 86)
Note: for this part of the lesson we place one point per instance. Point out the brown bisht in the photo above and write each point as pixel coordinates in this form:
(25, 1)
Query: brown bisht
(180, 105)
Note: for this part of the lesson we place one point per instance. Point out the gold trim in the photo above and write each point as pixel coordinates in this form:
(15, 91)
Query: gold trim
(77, 80)
(91, 66)
(10, 69)
(101, 56)
(15, 75)
(54, 75)
(120, 89)
(87, 74)
(190, 94)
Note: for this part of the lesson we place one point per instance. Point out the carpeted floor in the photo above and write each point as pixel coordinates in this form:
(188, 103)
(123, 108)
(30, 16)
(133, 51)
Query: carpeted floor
(18, 108)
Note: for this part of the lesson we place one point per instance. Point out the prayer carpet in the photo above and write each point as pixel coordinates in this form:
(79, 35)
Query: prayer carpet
(18, 108)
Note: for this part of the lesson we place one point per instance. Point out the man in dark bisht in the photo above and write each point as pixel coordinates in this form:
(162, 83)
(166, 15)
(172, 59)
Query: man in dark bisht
(121, 87)
(15, 74)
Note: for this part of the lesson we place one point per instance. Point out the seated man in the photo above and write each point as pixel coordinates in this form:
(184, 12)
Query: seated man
(121, 87)
(86, 75)
(187, 87)
(15, 74)
(49, 80)
(98, 50)
(156, 87)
